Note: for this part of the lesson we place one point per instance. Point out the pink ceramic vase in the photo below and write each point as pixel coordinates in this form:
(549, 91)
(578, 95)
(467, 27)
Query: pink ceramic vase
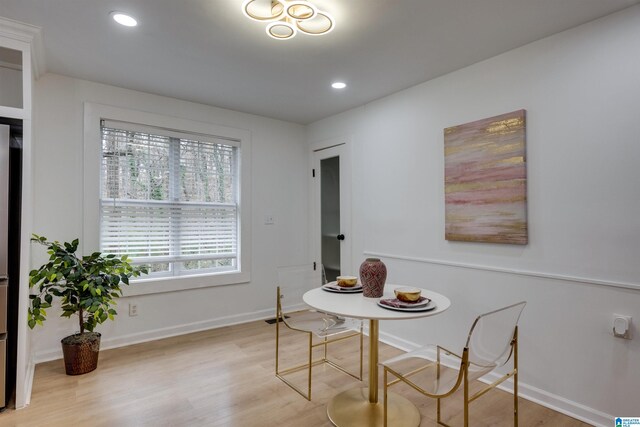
(373, 274)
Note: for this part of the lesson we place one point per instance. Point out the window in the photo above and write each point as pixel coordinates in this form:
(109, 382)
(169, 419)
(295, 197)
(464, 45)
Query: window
(169, 199)
(144, 195)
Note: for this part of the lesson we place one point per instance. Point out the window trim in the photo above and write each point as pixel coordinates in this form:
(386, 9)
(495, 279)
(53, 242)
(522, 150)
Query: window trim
(93, 114)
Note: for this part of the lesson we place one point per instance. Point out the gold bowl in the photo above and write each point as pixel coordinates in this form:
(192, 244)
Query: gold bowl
(407, 294)
(346, 281)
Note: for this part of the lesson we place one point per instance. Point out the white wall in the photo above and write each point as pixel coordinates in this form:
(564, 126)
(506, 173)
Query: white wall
(582, 95)
(279, 188)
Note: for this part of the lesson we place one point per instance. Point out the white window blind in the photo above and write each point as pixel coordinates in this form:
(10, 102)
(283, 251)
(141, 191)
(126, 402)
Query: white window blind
(169, 199)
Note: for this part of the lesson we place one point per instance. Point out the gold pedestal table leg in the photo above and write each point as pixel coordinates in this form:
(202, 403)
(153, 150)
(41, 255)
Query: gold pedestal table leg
(360, 407)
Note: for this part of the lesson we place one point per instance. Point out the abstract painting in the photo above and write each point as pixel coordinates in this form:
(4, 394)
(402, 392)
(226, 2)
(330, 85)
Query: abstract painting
(485, 179)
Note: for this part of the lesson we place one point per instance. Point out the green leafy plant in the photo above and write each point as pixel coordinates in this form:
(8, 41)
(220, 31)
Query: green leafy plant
(87, 286)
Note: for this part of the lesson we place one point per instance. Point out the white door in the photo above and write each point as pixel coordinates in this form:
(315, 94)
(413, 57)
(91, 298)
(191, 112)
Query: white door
(331, 233)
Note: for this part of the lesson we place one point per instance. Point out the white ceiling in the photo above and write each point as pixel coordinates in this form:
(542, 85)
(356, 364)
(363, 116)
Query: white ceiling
(207, 51)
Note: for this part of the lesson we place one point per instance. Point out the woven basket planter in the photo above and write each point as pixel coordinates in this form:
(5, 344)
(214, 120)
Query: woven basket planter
(81, 352)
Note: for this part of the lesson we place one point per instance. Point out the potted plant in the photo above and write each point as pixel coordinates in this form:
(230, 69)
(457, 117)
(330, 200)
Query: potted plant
(87, 286)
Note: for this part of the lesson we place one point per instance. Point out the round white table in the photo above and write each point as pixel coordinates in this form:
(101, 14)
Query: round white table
(360, 407)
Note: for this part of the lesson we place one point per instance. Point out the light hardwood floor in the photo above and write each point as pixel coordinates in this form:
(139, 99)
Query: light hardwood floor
(225, 377)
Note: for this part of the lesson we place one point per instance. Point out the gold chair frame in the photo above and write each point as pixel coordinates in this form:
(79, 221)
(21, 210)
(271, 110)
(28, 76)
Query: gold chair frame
(343, 335)
(463, 378)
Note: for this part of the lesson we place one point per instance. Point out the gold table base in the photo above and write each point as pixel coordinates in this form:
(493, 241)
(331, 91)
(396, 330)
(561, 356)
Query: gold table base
(352, 408)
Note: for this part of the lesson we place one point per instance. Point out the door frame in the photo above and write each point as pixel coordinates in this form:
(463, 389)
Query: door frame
(340, 146)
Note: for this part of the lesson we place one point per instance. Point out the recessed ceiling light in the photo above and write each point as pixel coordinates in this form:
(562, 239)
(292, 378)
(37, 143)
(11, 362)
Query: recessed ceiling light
(338, 85)
(124, 19)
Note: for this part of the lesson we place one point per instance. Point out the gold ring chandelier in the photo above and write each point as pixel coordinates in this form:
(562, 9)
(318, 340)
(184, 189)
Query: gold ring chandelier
(286, 17)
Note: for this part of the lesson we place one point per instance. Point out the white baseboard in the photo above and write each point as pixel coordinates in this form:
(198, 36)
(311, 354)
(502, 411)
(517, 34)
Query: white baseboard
(555, 402)
(541, 397)
(396, 342)
(24, 400)
(156, 334)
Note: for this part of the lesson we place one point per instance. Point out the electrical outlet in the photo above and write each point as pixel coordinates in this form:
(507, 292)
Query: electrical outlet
(269, 220)
(622, 326)
(133, 309)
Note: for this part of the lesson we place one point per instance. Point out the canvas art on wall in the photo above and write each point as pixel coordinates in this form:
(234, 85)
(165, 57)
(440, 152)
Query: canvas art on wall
(486, 180)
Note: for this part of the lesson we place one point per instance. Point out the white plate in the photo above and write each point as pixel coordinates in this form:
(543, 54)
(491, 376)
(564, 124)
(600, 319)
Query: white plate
(427, 307)
(329, 287)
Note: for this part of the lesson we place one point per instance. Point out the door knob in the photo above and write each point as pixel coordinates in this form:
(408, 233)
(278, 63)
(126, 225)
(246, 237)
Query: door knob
(340, 237)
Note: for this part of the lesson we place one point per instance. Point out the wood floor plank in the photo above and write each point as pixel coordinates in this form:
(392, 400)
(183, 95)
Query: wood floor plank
(225, 378)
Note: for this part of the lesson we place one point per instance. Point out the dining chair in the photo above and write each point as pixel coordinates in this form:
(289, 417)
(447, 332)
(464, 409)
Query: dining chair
(437, 372)
(321, 329)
